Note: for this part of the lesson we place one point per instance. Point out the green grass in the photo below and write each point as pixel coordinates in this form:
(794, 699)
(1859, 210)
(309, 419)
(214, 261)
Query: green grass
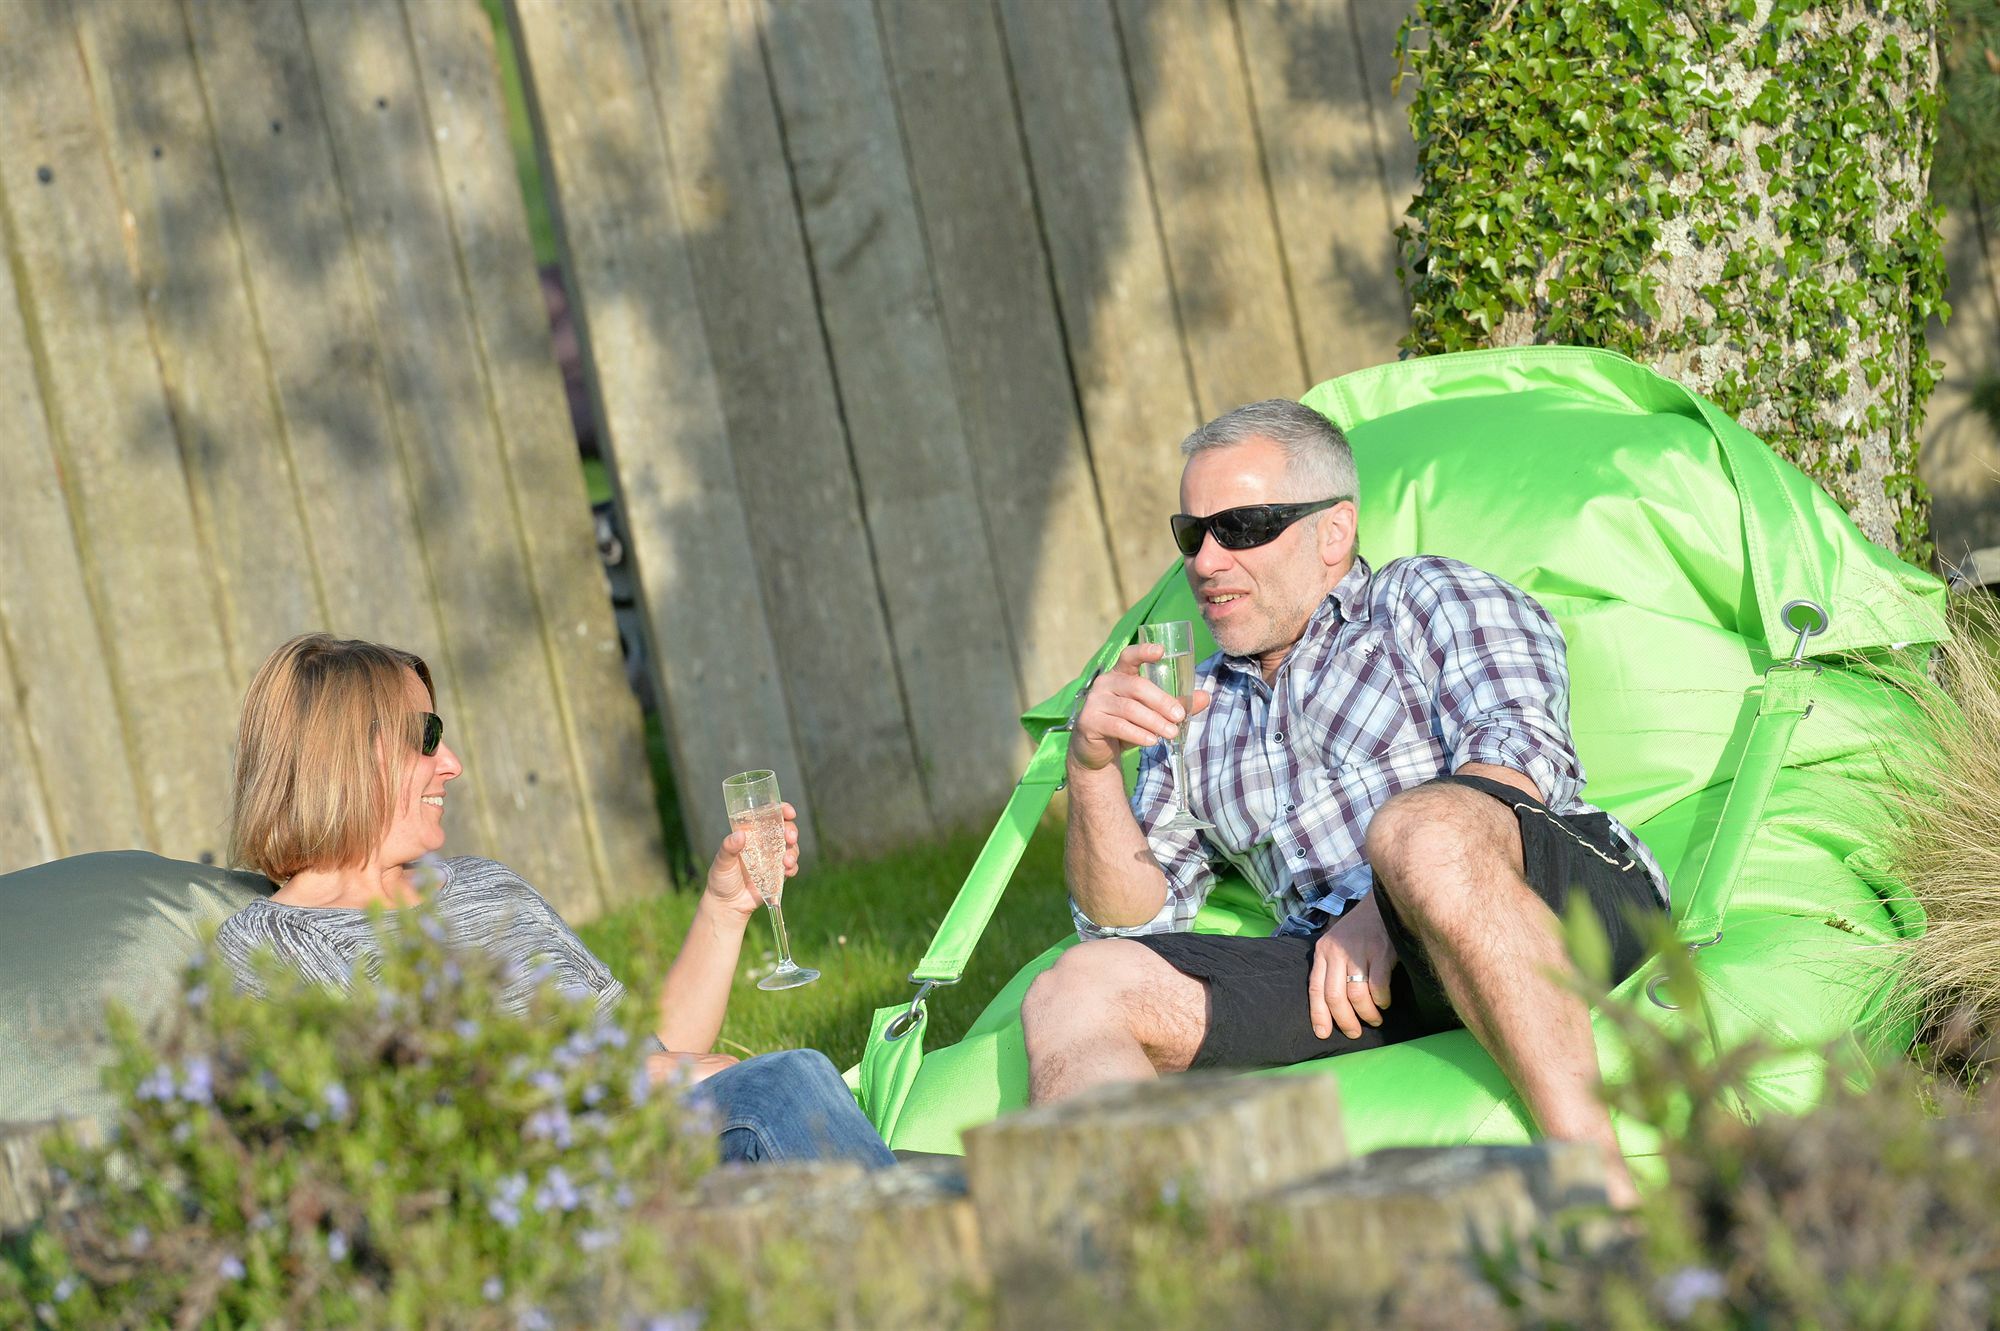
(863, 924)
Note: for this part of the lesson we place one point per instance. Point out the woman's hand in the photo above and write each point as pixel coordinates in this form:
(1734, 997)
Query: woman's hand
(685, 1069)
(729, 876)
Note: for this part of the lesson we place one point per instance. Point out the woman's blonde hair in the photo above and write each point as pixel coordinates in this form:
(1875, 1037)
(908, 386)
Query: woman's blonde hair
(313, 788)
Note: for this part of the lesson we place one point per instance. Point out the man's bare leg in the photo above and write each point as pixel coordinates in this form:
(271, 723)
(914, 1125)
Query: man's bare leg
(1451, 858)
(1109, 1010)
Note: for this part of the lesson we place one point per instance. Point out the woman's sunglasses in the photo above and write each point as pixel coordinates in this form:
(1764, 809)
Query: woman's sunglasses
(1243, 528)
(433, 732)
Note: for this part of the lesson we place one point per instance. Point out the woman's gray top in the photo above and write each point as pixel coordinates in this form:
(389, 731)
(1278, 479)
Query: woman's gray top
(483, 905)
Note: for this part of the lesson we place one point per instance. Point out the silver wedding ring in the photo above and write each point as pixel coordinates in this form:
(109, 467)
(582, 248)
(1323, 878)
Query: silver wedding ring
(1357, 979)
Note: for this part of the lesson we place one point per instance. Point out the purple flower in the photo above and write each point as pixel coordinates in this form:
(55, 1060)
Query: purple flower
(336, 1246)
(596, 1240)
(138, 1240)
(64, 1288)
(557, 1192)
(1680, 1292)
(593, 1093)
(433, 929)
(158, 1085)
(533, 1319)
(505, 1204)
(337, 1103)
(547, 1082)
(622, 1198)
(230, 1267)
(197, 997)
(494, 1289)
(687, 1319)
(640, 1086)
(466, 1028)
(549, 1125)
(198, 1082)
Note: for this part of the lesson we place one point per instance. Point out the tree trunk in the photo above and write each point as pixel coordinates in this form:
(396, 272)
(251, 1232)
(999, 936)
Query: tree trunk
(1730, 191)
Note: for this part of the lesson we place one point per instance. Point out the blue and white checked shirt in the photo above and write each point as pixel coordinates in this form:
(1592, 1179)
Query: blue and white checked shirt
(1401, 676)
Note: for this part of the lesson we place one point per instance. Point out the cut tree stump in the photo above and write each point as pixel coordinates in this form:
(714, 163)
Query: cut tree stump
(25, 1185)
(1061, 1184)
(1393, 1211)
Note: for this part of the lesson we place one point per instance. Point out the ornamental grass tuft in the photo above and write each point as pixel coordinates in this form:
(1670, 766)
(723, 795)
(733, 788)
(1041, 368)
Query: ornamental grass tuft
(1946, 844)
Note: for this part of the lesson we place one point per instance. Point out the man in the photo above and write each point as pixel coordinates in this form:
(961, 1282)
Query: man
(1386, 755)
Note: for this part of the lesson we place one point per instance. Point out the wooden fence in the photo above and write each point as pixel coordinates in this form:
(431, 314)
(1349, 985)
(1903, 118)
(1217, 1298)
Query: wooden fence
(273, 357)
(898, 309)
(1960, 461)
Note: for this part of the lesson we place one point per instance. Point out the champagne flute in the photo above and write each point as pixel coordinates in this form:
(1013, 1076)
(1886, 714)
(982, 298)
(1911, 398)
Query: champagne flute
(756, 810)
(1174, 674)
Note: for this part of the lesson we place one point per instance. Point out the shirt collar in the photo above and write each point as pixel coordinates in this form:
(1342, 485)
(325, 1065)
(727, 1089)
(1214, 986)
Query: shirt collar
(1347, 603)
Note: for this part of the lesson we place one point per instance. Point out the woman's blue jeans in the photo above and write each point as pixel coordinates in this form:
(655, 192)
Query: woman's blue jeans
(790, 1105)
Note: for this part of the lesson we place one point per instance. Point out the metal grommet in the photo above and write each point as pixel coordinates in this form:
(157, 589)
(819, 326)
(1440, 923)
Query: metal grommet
(901, 1024)
(1709, 941)
(1806, 618)
(1653, 988)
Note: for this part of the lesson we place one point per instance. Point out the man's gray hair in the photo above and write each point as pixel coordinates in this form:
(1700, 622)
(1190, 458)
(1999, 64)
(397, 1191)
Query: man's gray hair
(1317, 458)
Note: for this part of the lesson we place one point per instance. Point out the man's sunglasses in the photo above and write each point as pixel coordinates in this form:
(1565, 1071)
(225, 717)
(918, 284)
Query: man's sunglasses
(1243, 528)
(433, 732)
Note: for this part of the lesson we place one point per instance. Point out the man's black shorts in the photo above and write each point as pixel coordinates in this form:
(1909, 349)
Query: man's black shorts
(1259, 1015)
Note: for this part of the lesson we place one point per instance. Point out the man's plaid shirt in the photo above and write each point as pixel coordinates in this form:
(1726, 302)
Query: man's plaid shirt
(1401, 676)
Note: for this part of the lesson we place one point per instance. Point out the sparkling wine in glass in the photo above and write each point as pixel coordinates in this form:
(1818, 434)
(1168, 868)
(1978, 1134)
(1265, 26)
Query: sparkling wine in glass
(1173, 673)
(756, 809)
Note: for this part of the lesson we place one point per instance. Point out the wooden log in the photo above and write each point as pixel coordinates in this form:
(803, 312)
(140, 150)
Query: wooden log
(182, 238)
(599, 717)
(1392, 1212)
(507, 728)
(1315, 119)
(71, 761)
(879, 305)
(1110, 270)
(148, 586)
(26, 1185)
(716, 667)
(1056, 1187)
(747, 252)
(325, 367)
(828, 1244)
(1024, 434)
(1207, 172)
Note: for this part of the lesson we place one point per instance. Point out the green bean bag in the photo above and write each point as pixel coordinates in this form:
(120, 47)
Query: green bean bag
(119, 924)
(1667, 542)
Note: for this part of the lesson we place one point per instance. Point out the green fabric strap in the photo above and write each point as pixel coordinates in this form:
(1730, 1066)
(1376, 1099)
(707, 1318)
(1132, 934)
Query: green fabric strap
(1787, 698)
(958, 933)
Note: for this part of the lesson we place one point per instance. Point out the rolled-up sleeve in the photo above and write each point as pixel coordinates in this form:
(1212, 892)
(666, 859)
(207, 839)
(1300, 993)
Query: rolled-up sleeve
(1182, 856)
(1499, 674)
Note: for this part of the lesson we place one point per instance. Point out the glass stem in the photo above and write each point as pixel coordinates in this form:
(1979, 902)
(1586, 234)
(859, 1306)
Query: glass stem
(1180, 781)
(784, 943)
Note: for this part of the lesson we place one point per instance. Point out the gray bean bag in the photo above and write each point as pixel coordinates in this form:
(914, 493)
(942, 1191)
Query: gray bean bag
(117, 924)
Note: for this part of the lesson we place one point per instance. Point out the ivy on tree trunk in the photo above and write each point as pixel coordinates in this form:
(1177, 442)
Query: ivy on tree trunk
(1730, 191)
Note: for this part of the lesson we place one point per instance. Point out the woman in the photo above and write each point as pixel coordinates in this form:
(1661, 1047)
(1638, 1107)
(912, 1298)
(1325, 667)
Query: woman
(341, 777)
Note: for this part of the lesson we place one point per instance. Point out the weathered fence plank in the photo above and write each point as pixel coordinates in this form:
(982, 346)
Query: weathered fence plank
(1215, 207)
(514, 746)
(715, 662)
(1110, 271)
(27, 836)
(318, 342)
(1023, 431)
(115, 441)
(26, 1185)
(1318, 130)
(796, 477)
(1376, 23)
(550, 512)
(880, 308)
(77, 763)
(189, 270)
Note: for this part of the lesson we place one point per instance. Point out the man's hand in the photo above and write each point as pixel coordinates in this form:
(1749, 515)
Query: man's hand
(1355, 944)
(729, 877)
(1123, 711)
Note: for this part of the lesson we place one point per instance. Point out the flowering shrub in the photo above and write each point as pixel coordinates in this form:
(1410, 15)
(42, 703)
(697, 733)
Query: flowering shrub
(407, 1156)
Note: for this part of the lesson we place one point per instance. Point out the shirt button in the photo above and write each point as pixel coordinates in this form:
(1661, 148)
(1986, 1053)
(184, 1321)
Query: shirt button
(1291, 808)
(1302, 852)
(1278, 738)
